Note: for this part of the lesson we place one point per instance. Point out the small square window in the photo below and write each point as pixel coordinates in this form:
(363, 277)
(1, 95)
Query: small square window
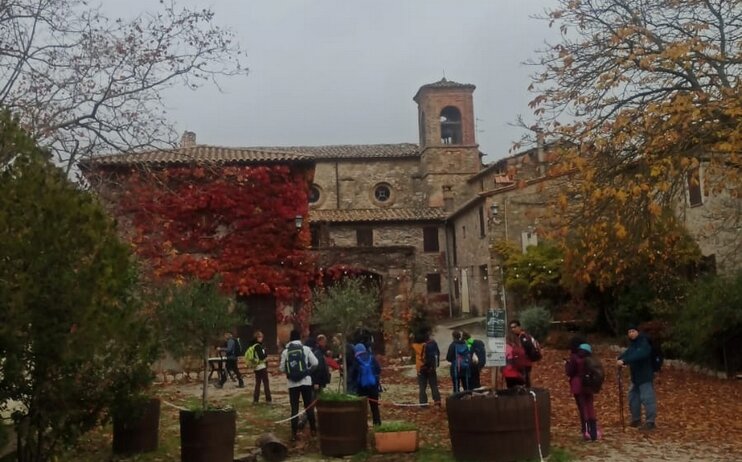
(430, 239)
(434, 283)
(365, 237)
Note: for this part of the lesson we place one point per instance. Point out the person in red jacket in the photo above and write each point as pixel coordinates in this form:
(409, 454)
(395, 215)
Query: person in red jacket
(575, 370)
(514, 371)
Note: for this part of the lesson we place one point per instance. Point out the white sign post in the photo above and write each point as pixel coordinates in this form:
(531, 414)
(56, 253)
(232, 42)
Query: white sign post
(496, 328)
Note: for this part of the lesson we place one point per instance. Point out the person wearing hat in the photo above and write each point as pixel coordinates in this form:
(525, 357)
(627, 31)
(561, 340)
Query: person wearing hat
(366, 377)
(638, 356)
(575, 369)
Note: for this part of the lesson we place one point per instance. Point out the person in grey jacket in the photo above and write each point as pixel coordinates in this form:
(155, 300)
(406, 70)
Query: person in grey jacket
(641, 393)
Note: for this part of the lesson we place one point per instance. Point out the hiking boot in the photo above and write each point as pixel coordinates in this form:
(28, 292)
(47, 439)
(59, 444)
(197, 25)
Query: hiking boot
(648, 427)
(635, 423)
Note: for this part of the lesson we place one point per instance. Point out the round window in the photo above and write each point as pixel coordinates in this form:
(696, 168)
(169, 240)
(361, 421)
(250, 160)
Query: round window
(383, 193)
(314, 194)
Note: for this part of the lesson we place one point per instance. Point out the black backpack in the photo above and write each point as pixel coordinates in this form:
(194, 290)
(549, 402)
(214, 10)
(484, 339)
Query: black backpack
(594, 375)
(320, 374)
(430, 355)
(477, 347)
(296, 363)
(655, 354)
(532, 347)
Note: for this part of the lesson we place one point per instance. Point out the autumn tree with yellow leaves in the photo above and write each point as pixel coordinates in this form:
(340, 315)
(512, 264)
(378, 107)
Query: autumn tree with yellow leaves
(642, 92)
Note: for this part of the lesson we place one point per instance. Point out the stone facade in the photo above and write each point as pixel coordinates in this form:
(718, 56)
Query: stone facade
(419, 218)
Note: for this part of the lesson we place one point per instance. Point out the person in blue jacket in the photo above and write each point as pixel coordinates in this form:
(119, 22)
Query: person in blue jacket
(641, 393)
(366, 375)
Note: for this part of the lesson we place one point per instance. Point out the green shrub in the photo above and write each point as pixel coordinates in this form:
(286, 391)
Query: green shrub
(395, 426)
(537, 321)
(709, 328)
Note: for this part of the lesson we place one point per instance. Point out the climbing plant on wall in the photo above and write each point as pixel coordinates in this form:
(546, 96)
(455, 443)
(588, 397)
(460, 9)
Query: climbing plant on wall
(236, 221)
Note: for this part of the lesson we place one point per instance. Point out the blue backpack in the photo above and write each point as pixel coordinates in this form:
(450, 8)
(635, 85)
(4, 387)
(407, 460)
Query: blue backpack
(463, 358)
(366, 376)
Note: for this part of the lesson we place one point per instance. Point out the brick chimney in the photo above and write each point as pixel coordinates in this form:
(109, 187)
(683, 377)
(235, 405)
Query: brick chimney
(540, 152)
(188, 140)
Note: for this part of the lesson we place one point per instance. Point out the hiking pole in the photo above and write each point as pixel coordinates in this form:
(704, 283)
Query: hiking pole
(538, 426)
(619, 375)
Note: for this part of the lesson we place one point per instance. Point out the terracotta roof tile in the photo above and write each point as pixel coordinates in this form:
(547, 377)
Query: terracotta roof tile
(386, 214)
(351, 151)
(199, 154)
(446, 84)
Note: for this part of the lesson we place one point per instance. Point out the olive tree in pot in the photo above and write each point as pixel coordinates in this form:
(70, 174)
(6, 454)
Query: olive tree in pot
(135, 412)
(343, 308)
(193, 315)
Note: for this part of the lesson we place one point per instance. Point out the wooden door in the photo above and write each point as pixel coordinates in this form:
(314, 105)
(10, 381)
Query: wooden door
(258, 312)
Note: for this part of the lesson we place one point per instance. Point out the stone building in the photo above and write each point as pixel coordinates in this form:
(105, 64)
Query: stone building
(416, 218)
(420, 219)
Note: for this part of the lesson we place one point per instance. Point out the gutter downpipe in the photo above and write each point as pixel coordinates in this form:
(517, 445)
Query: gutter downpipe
(449, 277)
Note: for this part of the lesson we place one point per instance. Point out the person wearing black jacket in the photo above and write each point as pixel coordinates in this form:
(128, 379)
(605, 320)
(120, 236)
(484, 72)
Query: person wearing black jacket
(231, 351)
(477, 348)
(321, 374)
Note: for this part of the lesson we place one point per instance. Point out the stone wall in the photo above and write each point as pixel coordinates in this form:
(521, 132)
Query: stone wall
(350, 183)
(716, 225)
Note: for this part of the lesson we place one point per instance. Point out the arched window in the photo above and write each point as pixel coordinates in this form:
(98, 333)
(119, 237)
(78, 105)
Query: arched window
(450, 125)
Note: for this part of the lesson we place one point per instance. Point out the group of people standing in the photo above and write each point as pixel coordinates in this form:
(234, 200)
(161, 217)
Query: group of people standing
(308, 370)
(581, 369)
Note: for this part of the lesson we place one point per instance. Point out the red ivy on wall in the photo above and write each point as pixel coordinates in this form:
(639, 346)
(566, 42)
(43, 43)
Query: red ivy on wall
(234, 221)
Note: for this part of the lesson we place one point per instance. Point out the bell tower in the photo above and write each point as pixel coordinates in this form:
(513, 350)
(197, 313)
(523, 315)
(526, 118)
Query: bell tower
(449, 154)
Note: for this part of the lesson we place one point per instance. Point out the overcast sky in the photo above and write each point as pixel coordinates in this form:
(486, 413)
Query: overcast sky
(345, 71)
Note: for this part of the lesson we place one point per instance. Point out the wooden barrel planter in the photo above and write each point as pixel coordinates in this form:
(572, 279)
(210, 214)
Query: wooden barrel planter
(138, 432)
(343, 427)
(207, 436)
(499, 426)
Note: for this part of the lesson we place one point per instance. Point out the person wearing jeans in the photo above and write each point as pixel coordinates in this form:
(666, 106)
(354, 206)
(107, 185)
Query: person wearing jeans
(641, 393)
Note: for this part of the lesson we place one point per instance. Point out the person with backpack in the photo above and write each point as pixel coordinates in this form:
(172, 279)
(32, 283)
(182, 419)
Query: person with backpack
(256, 358)
(574, 346)
(321, 374)
(515, 362)
(231, 351)
(366, 374)
(585, 373)
(427, 360)
(479, 358)
(531, 347)
(297, 362)
(460, 357)
(641, 393)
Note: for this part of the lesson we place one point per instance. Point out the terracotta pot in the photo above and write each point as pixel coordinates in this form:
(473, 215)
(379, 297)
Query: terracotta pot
(396, 441)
